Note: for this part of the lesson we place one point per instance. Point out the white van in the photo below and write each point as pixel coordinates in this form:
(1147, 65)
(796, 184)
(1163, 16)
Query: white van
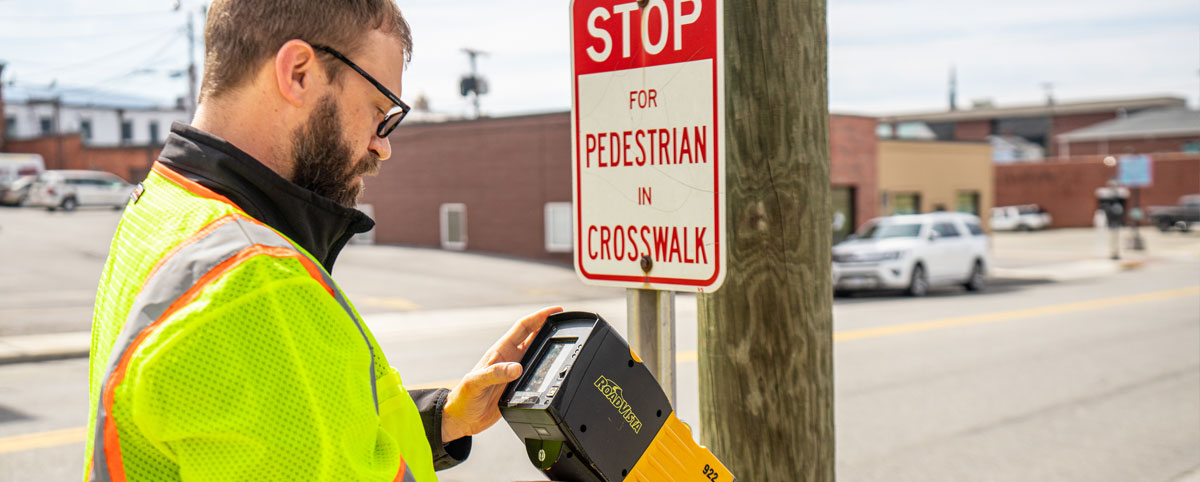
(68, 189)
(14, 166)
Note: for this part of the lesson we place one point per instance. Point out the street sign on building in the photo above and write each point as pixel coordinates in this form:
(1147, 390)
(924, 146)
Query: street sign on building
(1135, 170)
(648, 148)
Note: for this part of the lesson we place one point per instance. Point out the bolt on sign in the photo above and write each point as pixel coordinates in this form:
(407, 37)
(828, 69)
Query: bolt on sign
(648, 143)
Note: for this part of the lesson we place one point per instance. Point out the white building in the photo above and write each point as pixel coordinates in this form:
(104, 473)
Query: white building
(102, 118)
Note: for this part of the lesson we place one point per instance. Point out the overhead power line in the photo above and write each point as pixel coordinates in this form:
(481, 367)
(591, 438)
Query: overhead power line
(71, 36)
(140, 44)
(54, 17)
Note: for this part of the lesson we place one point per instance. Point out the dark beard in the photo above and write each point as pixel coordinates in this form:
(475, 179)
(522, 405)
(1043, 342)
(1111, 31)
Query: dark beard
(321, 157)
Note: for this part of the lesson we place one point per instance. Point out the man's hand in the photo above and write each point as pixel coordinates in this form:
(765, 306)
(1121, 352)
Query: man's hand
(471, 406)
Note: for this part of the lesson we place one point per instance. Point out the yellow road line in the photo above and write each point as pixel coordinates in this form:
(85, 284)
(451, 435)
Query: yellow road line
(32, 441)
(76, 435)
(891, 330)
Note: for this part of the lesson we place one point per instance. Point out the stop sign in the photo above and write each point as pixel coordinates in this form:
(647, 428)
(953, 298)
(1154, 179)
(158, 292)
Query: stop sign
(648, 156)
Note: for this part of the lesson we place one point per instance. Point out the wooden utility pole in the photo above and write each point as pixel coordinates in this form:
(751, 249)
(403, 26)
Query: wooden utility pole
(766, 346)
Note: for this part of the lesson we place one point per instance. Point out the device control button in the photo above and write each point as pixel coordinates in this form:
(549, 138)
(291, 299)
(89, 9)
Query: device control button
(563, 373)
(541, 431)
(553, 390)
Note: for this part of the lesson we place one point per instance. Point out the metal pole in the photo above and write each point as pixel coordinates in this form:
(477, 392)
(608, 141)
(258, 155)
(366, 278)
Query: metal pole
(1137, 244)
(191, 33)
(651, 329)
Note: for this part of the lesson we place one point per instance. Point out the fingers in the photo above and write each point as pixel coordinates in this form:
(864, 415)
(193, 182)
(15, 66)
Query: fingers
(514, 343)
(530, 324)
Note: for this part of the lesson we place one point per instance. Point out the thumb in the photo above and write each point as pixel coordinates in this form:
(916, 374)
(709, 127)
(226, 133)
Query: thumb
(499, 373)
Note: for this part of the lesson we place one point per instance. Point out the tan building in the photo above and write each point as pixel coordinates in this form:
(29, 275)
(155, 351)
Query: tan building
(926, 176)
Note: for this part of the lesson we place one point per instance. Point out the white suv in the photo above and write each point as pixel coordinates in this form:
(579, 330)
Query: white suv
(914, 253)
(68, 189)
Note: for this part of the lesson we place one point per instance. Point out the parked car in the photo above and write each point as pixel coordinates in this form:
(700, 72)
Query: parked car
(16, 192)
(1025, 217)
(68, 189)
(1178, 217)
(913, 252)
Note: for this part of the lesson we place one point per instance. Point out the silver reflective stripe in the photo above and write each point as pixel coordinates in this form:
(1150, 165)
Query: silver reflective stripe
(408, 476)
(172, 280)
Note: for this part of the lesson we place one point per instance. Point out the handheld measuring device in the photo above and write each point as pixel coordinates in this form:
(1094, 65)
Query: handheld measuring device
(589, 410)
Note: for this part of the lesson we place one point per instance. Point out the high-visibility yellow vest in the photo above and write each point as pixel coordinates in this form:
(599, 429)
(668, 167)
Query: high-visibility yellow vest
(222, 351)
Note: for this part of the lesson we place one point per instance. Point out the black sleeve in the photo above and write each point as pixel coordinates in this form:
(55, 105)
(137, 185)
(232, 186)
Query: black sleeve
(430, 403)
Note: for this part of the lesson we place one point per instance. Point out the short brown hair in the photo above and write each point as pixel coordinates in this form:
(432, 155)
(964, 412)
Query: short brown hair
(240, 34)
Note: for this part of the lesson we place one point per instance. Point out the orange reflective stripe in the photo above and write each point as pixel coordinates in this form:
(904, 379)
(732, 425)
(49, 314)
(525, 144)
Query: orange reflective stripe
(400, 475)
(188, 184)
(112, 443)
(205, 231)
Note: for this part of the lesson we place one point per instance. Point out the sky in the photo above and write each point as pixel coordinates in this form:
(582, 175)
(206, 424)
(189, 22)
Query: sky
(885, 56)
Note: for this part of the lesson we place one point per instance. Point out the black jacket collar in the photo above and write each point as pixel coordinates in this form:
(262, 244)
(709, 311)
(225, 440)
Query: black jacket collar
(319, 225)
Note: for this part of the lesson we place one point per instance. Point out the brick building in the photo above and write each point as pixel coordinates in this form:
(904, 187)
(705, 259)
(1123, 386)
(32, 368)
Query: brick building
(503, 185)
(68, 151)
(1039, 124)
(853, 172)
(485, 185)
(1067, 189)
(1163, 130)
(84, 129)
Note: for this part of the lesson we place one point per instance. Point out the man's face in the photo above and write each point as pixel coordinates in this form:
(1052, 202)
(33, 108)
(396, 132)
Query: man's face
(323, 161)
(337, 145)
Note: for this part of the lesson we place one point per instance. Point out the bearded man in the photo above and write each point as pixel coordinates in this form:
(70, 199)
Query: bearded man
(221, 347)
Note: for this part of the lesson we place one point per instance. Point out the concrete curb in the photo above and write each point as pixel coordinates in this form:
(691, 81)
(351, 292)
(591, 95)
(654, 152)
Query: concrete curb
(52, 346)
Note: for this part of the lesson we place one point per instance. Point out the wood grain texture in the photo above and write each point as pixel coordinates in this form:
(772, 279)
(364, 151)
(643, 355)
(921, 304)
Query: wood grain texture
(766, 347)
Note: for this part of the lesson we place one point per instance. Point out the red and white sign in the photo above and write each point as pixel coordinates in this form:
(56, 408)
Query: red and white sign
(648, 143)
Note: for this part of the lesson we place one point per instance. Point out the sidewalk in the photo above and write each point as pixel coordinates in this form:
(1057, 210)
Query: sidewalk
(1080, 253)
(54, 346)
(1068, 271)
(386, 327)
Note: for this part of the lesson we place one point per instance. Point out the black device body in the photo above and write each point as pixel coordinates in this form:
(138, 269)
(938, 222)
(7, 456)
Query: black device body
(571, 396)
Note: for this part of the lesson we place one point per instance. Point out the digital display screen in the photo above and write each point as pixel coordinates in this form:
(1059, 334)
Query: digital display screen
(556, 351)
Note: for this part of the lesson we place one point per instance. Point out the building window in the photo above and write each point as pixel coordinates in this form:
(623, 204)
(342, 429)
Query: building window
(153, 132)
(46, 124)
(10, 126)
(967, 202)
(906, 203)
(558, 227)
(843, 212)
(126, 131)
(454, 226)
(85, 128)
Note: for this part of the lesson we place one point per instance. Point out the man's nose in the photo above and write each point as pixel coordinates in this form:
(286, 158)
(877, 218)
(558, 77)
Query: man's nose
(381, 147)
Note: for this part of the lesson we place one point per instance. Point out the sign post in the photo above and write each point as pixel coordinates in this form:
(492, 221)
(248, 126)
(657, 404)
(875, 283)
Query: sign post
(1136, 171)
(651, 315)
(648, 163)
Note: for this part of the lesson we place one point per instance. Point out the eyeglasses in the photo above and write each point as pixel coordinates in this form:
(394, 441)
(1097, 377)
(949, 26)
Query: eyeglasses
(395, 114)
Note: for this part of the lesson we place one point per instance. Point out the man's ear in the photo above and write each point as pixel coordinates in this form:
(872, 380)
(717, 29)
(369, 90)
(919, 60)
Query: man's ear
(296, 71)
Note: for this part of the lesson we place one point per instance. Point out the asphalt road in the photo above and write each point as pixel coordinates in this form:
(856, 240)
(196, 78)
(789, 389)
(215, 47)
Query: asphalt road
(50, 265)
(1088, 380)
